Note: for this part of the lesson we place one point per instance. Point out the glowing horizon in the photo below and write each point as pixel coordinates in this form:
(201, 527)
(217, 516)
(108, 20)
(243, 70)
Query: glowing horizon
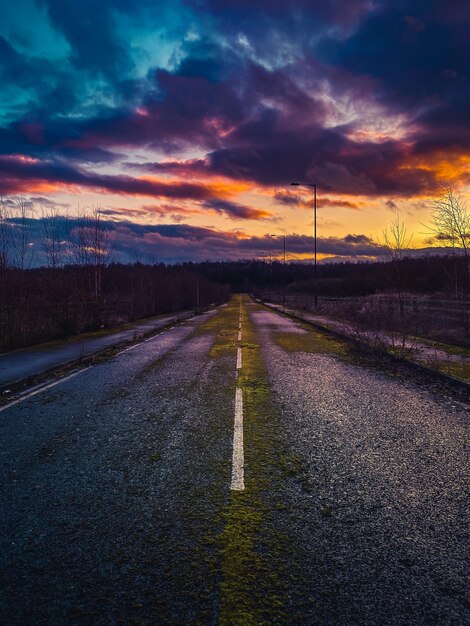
(200, 114)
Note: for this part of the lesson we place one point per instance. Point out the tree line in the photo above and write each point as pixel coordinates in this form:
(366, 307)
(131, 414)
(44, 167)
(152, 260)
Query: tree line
(79, 287)
(42, 304)
(430, 274)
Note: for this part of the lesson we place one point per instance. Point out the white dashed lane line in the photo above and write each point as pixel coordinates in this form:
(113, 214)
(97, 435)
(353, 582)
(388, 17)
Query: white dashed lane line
(238, 473)
(239, 358)
(238, 478)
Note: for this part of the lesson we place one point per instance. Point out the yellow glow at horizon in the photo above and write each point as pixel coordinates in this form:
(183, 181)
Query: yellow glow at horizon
(371, 217)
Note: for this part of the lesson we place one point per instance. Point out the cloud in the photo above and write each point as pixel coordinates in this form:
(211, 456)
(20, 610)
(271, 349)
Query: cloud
(259, 92)
(19, 174)
(358, 239)
(237, 211)
(173, 243)
(94, 44)
(344, 204)
(429, 53)
(287, 198)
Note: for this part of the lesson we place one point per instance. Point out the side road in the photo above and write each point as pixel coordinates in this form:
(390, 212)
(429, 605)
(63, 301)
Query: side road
(18, 366)
(431, 356)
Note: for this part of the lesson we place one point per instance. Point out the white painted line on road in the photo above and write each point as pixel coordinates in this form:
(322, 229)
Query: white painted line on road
(239, 358)
(239, 335)
(141, 342)
(152, 338)
(130, 348)
(41, 389)
(238, 477)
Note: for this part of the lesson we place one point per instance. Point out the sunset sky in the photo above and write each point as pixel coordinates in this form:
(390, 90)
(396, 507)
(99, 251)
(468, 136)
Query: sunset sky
(186, 120)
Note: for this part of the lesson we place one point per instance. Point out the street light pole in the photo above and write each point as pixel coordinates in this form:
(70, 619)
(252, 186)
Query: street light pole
(315, 291)
(270, 276)
(283, 272)
(314, 186)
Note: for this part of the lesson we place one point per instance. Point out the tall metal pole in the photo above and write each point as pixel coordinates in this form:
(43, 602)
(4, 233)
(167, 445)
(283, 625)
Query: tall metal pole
(284, 276)
(315, 244)
(270, 277)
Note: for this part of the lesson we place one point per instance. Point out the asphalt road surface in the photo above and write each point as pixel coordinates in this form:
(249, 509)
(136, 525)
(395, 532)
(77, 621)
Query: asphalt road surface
(239, 468)
(30, 362)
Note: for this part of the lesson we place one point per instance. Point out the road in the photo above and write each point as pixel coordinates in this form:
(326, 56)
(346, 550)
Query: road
(31, 362)
(341, 499)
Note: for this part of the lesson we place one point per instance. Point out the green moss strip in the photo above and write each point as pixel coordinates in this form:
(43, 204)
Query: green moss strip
(313, 341)
(253, 561)
(253, 550)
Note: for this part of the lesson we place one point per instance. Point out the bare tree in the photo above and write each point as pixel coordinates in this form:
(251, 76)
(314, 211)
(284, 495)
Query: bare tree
(5, 237)
(24, 251)
(5, 264)
(52, 237)
(451, 225)
(99, 246)
(78, 236)
(451, 219)
(397, 241)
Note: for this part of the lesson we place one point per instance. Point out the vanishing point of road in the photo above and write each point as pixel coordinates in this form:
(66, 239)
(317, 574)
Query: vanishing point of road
(239, 468)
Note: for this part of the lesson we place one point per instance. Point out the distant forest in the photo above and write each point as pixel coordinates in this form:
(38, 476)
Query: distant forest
(447, 275)
(42, 304)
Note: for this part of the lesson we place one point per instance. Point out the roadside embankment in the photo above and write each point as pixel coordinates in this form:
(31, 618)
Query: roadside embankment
(447, 360)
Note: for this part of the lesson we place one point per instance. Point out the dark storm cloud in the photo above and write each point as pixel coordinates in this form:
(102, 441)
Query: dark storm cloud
(417, 51)
(16, 67)
(325, 156)
(313, 15)
(197, 109)
(244, 91)
(234, 210)
(17, 174)
(88, 27)
(187, 110)
(45, 86)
